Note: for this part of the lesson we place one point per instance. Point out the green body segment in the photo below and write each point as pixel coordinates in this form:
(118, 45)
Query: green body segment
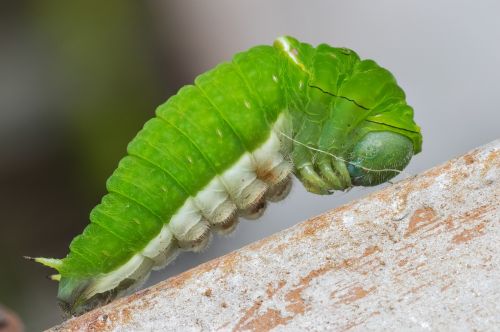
(197, 134)
(333, 100)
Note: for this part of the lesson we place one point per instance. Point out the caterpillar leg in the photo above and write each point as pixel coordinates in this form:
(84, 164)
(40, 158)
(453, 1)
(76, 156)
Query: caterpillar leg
(341, 169)
(256, 210)
(327, 172)
(197, 238)
(217, 207)
(190, 228)
(280, 190)
(330, 176)
(227, 227)
(312, 181)
(163, 249)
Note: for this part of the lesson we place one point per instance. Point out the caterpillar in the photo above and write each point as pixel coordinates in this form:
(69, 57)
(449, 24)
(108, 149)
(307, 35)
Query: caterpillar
(221, 148)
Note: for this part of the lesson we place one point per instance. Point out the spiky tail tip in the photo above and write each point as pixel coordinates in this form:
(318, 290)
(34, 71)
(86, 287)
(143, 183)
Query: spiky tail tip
(53, 263)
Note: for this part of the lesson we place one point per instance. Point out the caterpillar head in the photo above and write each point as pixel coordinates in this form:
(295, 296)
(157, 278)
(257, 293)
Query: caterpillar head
(378, 157)
(383, 146)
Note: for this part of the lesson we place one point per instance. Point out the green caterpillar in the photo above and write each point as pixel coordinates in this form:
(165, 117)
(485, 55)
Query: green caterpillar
(222, 147)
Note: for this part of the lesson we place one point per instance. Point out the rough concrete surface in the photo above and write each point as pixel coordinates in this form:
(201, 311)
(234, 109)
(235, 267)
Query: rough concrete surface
(420, 255)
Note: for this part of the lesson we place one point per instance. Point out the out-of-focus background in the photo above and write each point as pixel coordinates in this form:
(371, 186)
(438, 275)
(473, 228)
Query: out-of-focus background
(79, 78)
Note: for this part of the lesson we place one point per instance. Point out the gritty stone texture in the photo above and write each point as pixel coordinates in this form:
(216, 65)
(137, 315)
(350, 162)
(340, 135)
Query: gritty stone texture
(420, 255)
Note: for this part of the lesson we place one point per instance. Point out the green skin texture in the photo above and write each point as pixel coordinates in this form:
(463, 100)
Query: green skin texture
(205, 128)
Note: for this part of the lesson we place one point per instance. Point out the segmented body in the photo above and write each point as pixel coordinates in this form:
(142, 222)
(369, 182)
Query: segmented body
(220, 148)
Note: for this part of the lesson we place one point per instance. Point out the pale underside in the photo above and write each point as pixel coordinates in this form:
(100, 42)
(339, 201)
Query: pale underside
(242, 190)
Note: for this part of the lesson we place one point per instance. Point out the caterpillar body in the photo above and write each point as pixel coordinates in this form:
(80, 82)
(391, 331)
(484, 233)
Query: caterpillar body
(221, 148)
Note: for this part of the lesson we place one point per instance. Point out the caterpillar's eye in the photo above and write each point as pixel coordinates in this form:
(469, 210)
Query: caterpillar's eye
(378, 157)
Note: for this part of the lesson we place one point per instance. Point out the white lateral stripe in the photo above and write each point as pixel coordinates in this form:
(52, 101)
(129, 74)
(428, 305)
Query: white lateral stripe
(210, 197)
(185, 219)
(159, 243)
(268, 155)
(112, 280)
(138, 266)
(239, 176)
(189, 217)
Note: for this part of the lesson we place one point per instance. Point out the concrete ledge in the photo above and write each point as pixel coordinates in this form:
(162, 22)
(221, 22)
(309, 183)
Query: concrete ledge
(422, 254)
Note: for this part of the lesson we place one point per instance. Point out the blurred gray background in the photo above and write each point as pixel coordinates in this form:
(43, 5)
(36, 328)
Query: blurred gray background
(79, 78)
